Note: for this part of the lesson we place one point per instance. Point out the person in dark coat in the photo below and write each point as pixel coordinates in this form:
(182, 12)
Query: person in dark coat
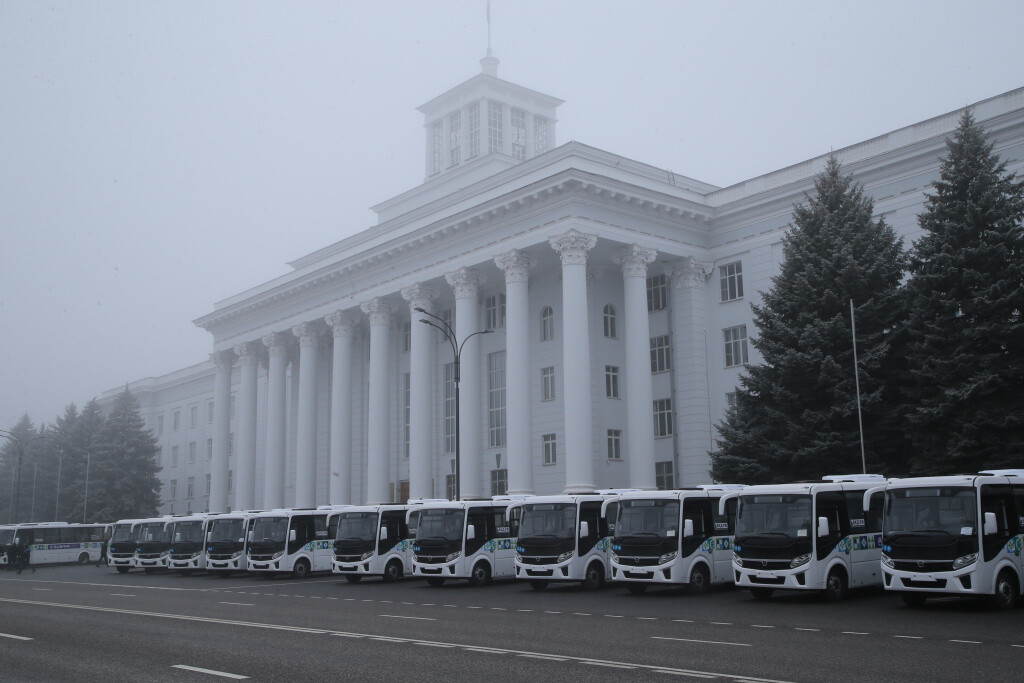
(26, 558)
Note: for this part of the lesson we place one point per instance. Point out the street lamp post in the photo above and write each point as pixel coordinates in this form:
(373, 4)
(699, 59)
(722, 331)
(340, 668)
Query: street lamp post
(21, 455)
(449, 334)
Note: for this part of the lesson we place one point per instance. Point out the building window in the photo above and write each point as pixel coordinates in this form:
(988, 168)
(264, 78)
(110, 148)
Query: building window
(518, 134)
(454, 133)
(473, 142)
(547, 384)
(209, 449)
(609, 322)
(193, 417)
(174, 456)
(499, 482)
(550, 450)
(174, 489)
(731, 277)
(663, 417)
(661, 354)
(664, 475)
(436, 135)
(611, 381)
(449, 486)
(207, 484)
(176, 421)
(191, 452)
(209, 412)
(615, 444)
(540, 134)
(449, 408)
(191, 488)
(730, 399)
(494, 309)
(496, 399)
(231, 408)
(735, 345)
(547, 324)
(406, 400)
(657, 293)
(407, 336)
(494, 115)
(159, 424)
(231, 481)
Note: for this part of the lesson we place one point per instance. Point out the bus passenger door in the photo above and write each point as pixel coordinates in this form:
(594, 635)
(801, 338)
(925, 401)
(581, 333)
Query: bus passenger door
(725, 529)
(323, 547)
(504, 543)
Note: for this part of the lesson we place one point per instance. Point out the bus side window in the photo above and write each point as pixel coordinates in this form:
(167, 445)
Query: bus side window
(855, 512)
(67, 535)
(49, 536)
(873, 518)
(1018, 497)
(514, 516)
(320, 527)
(332, 526)
(501, 524)
(608, 521)
(414, 522)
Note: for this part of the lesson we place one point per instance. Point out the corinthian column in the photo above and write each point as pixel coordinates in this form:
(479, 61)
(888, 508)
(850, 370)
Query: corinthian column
(572, 247)
(639, 392)
(516, 265)
(245, 462)
(421, 379)
(221, 430)
(273, 466)
(466, 284)
(343, 328)
(377, 453)
(305, 437)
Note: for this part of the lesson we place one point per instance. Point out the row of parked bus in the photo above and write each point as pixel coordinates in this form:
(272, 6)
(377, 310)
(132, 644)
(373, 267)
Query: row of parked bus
(956, 535)
(55, 542)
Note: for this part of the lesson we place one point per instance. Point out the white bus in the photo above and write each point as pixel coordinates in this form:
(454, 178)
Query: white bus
(464, 539)
(808, 536)
(375, 540)
(682, 537)
(296, 541)
(225, 541)
(564, 538)
(958, 535)
(6, 540)
(153, 543)
(58, 542)
(188, 540)
(121, 547)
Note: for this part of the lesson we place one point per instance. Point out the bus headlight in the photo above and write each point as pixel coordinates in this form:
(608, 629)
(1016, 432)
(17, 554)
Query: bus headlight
(615, 558)
(800, 560)
(887, 561)
(667, 557)
(964, 560)
(235, 555)
(197, 554)
(737, 561)
(165, 553)
(565, 556)
(277, 555)
(453, 556)
(365, 556)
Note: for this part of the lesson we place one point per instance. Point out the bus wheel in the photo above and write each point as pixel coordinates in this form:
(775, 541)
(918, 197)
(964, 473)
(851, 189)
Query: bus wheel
(83, 558)
(637, 588)
(762, 594)
(122, 570)
(1007, 591)
(835, 586)
(481, 574)
(594, 578)
(538, 585)
(353, 578)
(435, 581)
(699, 580)
(392, 572)
(913, 599)
(300, 570)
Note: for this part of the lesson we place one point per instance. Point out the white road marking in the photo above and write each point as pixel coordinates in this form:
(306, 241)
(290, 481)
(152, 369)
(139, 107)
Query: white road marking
(434, 644)
(42, 589)
(551, 612)
(582, 614)
(614, 616)
(688, 674)
(550, 658)
(685, 621)
(524, 610)
(969, 642)
(471, 607)
(243, 604)
(499, 609)
(124, 595)
(1016, 645)
(816, 630)
(14, 637)
(910, 637)
(399, 616)
(855, 633)
(722, 623)
(222, 674)
(707, 642)
(647, 618)
(761, 626)
(608, 664)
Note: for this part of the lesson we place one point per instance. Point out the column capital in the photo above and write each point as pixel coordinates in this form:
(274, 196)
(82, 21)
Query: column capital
(419, 296)
(689, 272)
(465, 282)
(223, 359)
(308, 334)
(634, 260)
(516, 264)
(341, 323)
(249, 353)
(573, 246)
(277, 343)
(378, 310)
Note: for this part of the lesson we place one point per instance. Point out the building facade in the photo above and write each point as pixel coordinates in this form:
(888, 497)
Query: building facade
(613, 300)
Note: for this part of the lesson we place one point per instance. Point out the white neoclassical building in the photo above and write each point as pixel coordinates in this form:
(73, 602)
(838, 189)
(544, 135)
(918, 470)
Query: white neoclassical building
(616, 298)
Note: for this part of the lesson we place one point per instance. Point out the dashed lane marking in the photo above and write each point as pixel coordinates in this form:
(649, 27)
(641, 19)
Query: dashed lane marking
(211, 672)
(240, 604)
(123, 595)
(911, 637)
(14, 637)
(815, 630)
(969, 642)
(854, 633)
(761, 626)
(722, 623)
(399, 616)
(707, 642)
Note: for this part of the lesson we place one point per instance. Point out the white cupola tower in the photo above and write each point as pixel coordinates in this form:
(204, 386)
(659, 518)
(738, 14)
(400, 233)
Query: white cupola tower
(486, 123)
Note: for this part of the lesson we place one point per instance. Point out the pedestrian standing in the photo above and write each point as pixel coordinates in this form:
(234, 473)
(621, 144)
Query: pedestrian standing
(26, 558)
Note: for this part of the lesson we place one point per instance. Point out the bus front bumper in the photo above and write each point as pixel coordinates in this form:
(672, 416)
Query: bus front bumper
(562, 571)
(659, 573)
(959, 582)
(787, 579)
(189, 563)
(445, 570)
(233, 565)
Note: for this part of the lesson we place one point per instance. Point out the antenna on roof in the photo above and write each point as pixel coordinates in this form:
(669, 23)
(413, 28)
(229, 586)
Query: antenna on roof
(488, 28)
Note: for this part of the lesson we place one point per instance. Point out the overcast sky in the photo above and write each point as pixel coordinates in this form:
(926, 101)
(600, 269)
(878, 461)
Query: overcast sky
(156, 157)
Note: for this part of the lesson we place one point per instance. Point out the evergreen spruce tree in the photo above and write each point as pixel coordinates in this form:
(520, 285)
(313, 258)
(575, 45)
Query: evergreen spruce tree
(965, 301)
(25, 432)
(796, 412)
(123, 479)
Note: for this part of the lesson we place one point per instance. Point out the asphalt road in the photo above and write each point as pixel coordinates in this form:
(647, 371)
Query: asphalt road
(91, 623)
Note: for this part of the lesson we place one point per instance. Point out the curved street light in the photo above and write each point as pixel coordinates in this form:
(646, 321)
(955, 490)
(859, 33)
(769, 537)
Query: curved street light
(21, 456)
(449, 334)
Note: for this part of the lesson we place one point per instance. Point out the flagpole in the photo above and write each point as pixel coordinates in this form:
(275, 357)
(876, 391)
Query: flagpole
(856, 380)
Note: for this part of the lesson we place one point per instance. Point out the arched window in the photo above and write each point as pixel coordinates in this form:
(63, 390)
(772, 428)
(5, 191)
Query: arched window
(609, 321)
(547, 324)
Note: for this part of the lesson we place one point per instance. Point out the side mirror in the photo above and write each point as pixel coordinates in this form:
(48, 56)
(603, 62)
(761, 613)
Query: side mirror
(822, 527)
(383, 533)
(292, 536)
(687, 527)
(990, 524)
(470, 533)
(584, 529)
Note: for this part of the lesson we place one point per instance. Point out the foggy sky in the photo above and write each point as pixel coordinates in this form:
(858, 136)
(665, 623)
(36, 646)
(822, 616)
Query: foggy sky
(156, 157)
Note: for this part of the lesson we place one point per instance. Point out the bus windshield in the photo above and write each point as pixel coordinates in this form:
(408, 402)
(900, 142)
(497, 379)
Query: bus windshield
(122, 532)
(190, 532)
(947, 509)
(785, 515)
(226, 530)
(548, 519)
(446, 524)
(270, 529)
(648, 518)
(357, 525)
(155, 531)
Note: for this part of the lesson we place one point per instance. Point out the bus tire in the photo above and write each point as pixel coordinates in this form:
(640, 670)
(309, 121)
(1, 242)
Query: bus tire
(762, 594)
(83, 558)
(122, 570)
(637, 588)
(480, 575)
(700, 580)
(538, 585)
(392, 571)
(1007, 591)
(594, 578)
(913, 599)
(435, 581)
(835, 585)
(353, 578)
(300, 570)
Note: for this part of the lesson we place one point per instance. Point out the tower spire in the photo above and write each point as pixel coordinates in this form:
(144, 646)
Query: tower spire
(490, 62)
